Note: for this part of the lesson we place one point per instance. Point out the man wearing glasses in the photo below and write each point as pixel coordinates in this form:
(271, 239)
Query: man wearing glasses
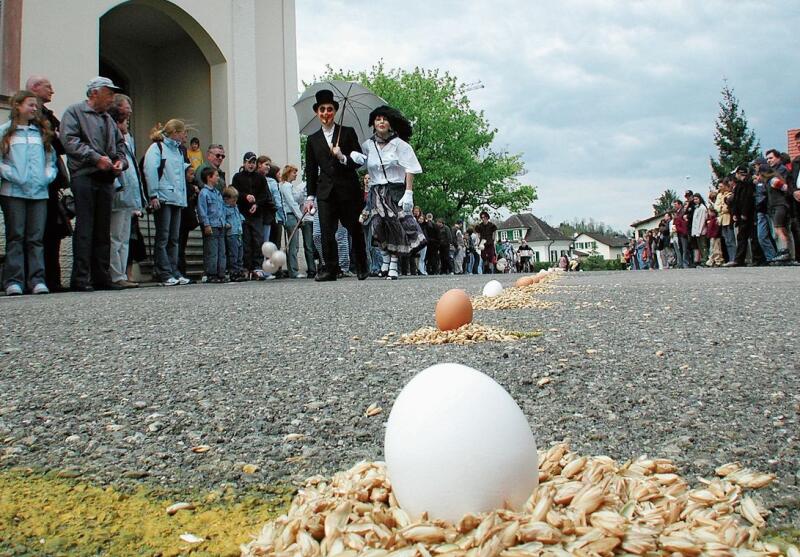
(215, 156)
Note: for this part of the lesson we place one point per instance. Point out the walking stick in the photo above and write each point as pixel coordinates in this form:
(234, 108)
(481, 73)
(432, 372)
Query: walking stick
(296, 226)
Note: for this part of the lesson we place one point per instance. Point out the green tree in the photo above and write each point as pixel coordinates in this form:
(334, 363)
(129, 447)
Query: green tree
(590, 226)
(664, 202)
(736, 143)
(462, 173)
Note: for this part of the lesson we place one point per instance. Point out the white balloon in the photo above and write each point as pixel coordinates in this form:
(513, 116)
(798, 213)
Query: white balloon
(278, 259)
(268, 248)
(268, 267)
(457, 443)
(501, 264)
(492, 288)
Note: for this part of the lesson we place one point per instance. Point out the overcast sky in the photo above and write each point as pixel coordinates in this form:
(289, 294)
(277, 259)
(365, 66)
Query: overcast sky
(609, 102)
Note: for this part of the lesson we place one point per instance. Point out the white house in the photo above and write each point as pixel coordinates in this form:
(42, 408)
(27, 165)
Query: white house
(608, 247)
(640, 227)
(229, 67)
(547, 243)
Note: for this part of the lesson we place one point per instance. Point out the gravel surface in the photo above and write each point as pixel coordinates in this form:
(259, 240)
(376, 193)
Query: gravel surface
(698, 365)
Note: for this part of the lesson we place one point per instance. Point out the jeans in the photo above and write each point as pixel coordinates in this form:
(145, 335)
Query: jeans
(685, 255)
(168, 227)
(24, 224)
(214, 253)
(421, 263)
(729, 237)
(765, 236)
(120, 239)
(91, 242)
(458, 261)
(291, 249)
(307, 228)
(235, 253)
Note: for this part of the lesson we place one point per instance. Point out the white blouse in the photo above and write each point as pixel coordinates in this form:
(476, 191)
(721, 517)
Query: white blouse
(397, 156)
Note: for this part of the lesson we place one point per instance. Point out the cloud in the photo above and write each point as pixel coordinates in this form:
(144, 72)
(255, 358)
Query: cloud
(609, 102)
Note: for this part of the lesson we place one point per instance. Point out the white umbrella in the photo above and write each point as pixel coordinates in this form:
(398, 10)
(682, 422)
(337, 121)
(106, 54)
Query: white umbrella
(355, 104)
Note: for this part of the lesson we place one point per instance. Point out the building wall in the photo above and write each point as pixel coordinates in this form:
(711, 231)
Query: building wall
(251, 96)
(793, 145)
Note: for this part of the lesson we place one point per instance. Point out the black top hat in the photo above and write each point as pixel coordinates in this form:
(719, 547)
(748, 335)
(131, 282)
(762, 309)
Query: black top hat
(325, 96)
(399, 123)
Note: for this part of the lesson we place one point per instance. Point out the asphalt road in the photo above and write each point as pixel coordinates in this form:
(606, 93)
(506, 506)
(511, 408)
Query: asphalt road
(696, 365)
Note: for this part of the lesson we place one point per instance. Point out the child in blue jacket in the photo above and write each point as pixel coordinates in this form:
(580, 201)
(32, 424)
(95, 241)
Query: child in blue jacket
(233, 234)
(27, 166)
(211, 216)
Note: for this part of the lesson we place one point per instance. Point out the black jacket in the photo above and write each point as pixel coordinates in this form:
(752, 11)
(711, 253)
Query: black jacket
(743, 201)
(326, 176)
(253, 183)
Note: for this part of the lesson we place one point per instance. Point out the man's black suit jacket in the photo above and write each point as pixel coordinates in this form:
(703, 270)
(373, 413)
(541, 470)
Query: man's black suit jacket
(326, 176)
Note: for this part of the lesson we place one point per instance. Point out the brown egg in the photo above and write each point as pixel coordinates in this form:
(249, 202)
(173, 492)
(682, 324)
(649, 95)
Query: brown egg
(523, 281)
(535, 279)
(453, 310)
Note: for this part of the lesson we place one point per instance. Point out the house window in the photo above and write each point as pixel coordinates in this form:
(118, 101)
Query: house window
(503, 236)
(553, 255)
(594, 245)
(536, 256)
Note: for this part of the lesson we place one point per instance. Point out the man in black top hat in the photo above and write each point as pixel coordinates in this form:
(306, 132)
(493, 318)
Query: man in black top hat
(331, 179)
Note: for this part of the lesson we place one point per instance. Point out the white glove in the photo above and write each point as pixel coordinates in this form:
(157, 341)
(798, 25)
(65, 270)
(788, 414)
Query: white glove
(407, 201)
(358, 158)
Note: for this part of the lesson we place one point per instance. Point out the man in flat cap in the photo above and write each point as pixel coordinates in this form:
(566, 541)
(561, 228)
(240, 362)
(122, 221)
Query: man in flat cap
(95, 156)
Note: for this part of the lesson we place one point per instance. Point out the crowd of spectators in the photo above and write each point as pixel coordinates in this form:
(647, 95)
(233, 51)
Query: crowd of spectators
(753, 215)
(83, 176)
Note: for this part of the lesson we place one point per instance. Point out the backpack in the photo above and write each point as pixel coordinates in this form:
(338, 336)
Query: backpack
(160, 168)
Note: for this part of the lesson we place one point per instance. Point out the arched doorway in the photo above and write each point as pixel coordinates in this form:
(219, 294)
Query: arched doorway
(169, 66)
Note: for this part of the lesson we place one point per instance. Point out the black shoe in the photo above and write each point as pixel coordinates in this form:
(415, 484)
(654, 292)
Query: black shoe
(82, 288)
(325, 276)
(362, 275)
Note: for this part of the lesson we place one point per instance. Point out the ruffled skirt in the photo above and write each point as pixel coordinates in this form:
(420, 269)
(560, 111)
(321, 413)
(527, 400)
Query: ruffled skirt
(391, 228)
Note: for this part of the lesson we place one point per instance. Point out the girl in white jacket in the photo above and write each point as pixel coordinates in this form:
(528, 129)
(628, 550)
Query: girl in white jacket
(27, 166)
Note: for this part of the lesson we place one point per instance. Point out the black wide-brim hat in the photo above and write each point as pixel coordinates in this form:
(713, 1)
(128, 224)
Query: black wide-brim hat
(399, 123)
(324, 96)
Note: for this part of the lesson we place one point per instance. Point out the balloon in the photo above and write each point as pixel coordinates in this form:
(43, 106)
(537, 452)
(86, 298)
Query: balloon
(457, 443)
(268, 267)
(492, 288)
(501, 264)
(278, 259)
(268, 248)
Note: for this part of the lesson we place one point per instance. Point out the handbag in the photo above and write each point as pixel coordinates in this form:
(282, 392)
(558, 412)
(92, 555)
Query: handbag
(66, 212)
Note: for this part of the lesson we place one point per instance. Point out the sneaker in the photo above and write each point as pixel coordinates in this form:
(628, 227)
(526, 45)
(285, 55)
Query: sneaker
(41, 288)
(300, 275)
(171, 281)
(731, 264)
(184, 281)
(204, 278)
(269, 277)
(13, 289)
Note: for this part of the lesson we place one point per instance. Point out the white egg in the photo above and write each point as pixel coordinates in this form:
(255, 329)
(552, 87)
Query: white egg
(278, 258)
(267, 249)
(457, 443)
(268, 267)
(492, 288)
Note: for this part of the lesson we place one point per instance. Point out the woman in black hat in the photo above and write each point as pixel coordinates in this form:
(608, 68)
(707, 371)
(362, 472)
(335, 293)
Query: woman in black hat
(391, 164)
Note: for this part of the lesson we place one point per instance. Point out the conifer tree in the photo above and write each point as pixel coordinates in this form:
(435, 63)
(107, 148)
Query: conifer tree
(736, 143)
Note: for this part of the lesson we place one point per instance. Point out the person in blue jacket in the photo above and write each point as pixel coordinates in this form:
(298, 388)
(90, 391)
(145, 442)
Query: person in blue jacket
(233, 234)
(211, 216)
(27, 166)
(164, 170)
